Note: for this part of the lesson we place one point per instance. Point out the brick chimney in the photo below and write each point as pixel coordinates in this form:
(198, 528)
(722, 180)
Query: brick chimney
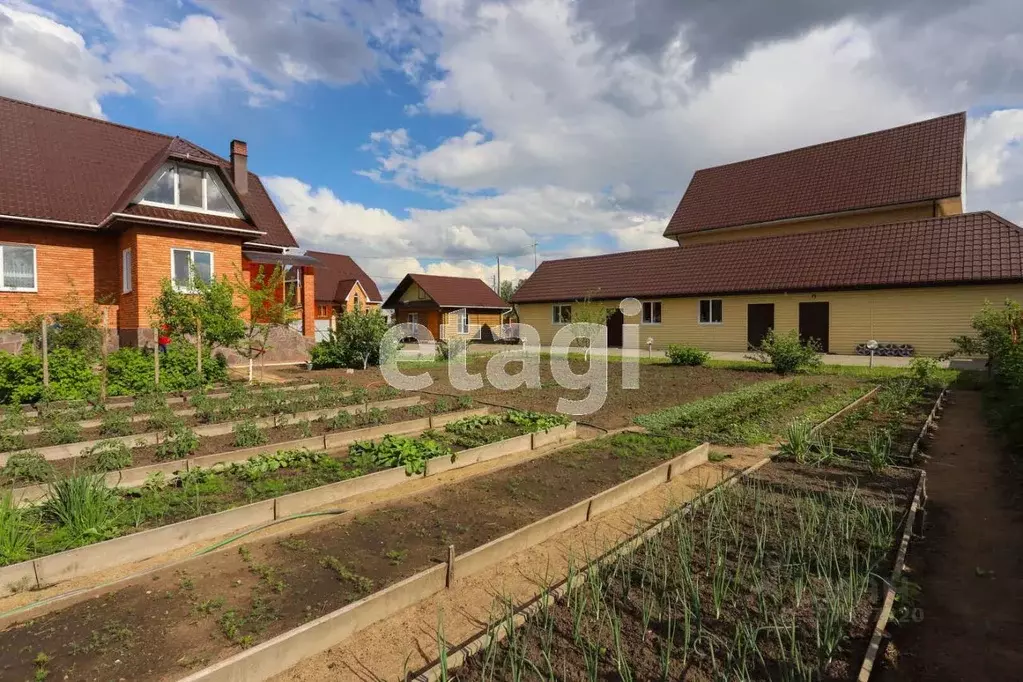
(240, 166)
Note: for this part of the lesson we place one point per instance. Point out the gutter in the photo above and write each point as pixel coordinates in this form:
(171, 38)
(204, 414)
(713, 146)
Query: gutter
(195, 226)
(46, 221)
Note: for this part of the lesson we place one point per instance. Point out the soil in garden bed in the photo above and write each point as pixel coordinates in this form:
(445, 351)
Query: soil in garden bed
(647, 597)
(174, 621)
(210, 445)
(851, 432)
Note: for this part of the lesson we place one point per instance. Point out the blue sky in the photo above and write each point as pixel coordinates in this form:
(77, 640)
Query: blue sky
(431, 135)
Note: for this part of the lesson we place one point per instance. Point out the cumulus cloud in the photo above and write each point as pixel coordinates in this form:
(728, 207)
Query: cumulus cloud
(47, 62)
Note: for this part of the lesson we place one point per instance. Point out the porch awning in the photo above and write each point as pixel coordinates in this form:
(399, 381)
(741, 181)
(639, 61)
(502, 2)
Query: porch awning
(279, 258)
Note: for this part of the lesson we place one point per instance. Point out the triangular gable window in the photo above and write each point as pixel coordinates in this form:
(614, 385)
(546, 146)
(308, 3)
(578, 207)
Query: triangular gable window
(178, 185)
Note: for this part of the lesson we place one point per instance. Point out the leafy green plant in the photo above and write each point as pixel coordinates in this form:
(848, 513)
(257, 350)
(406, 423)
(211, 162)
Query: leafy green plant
(247, 434)
(179, 442)
(787, 353)
(686, 355)
(108, 455)
(83, 506)
(536, 421)
(926, 372)
(115, 423)
(799, 441)
(61, 431)
(163, 419)
(398, 451)
(149, 401)
(340, 421)
(17, 530)
(353, 343)
(879, 449)
(256, 467)
(27, 466)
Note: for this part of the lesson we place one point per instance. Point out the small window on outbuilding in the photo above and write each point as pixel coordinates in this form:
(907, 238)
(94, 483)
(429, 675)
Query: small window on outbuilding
(561, 314)
(651, 312)
(711, 311)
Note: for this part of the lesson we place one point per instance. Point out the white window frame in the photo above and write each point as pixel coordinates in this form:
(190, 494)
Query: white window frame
(177, 205)
(556, 313)
(649, 319)
(412, 318)
(35, 269)
(174, 280)
(294, 274)
(710, 321)
(126, 270)
(462, 321)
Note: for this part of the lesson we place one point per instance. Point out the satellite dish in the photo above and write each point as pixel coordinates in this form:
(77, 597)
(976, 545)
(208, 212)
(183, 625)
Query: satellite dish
(872, 344)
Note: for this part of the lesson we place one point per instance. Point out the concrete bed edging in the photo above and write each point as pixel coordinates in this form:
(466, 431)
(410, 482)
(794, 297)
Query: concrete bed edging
(289, 648)
(70, 450)
(874, 648)
(81, 561)
(928, 423)
(136, 476)
(136, 418)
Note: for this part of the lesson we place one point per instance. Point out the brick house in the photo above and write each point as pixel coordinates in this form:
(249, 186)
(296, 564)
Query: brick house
(340, 285)
(847, 241)
(107, 212)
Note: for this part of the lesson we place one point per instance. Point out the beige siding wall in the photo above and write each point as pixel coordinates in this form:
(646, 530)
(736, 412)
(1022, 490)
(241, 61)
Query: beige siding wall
(879, 217)
(477, 320)
(926, 317)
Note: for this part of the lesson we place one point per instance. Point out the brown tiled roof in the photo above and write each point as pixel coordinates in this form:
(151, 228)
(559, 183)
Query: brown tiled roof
(969, 248)
(450, 292)
(336, 268)
(917, 162)
(60, 166)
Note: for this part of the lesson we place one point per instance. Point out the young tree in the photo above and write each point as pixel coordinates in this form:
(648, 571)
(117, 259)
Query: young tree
(355, 341)
(508, 288)
(209, 305)
(1000, 338)
(268, 310)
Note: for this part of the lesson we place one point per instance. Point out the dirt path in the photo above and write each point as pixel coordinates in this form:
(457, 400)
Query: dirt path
(969, 563)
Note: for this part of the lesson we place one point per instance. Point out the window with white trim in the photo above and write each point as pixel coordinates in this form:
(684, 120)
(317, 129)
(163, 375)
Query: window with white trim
(17, 267)
(178, 185)
(293, 285)
(462, 321)
(126, 270)
(356, 303)
(188, 264)
(561, 314)
(711, 311)
(413, 318)
(651, 312)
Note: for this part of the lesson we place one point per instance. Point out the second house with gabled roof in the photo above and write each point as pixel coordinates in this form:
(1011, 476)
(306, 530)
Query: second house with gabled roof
(107, 212)
(450, 307)
(848, 241)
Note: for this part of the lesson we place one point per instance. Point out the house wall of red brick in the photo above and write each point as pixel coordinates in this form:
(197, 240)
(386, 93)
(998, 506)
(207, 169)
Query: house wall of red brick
(308, 302)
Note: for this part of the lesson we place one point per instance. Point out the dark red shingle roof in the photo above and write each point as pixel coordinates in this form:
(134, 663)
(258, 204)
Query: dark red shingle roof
(66, 167)
(336, 268)
(917, 162)
(450, 292)
(968, 248)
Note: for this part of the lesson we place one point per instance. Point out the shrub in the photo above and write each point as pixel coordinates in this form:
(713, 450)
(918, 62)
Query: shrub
(78, 330)
(72, 376)
(60, 431)
(247, 434)
(130, 371)
(786, 353)
(178, 443)
(354, 343)
(28, 466)
(687, 355)
(926, 372)
(115, 423)
(108, 455)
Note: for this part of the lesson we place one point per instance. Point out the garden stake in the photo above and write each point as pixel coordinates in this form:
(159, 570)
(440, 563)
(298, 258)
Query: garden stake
(156, 357)
(46, 353)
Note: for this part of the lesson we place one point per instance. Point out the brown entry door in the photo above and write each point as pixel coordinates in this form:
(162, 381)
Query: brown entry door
(759, 321)
(615, 329)
(814, 323)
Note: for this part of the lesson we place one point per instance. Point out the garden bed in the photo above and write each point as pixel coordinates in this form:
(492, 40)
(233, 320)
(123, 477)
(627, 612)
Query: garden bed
(174, 621)
(895, 415)
(769, 579)
(759, 413)
(152, 454)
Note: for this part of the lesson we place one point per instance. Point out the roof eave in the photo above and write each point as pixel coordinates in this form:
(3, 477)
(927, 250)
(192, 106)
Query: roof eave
(199, 227)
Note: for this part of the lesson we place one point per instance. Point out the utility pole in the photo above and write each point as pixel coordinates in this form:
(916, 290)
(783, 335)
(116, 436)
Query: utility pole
(498, 275)
(534, 255)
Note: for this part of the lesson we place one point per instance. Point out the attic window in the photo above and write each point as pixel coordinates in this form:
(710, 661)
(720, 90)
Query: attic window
(178, 185)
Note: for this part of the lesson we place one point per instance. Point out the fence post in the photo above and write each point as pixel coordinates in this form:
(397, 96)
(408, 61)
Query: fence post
(46, 353)
(156, 356)
(449, 580)
(103, 360)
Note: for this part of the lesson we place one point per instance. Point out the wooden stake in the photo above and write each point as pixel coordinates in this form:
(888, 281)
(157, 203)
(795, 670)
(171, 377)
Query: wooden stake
(156, 357)
(198, 349)
(46, 353)
(103, 356)
(450, 580)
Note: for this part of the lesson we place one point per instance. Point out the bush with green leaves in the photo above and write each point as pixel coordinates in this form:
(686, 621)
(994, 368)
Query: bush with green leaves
(178, 443)
(787, 353)
(689, 356)
(115, 423)
(107, 455)
(247, 434)
(62, 431)
(28, 467)
(397, 451)
(72, 376)
(131, 371)
(354, 343)
(78, 330)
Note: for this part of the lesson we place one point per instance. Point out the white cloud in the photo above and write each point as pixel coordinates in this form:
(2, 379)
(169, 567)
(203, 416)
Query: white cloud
(993, 142)
(47, 62)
